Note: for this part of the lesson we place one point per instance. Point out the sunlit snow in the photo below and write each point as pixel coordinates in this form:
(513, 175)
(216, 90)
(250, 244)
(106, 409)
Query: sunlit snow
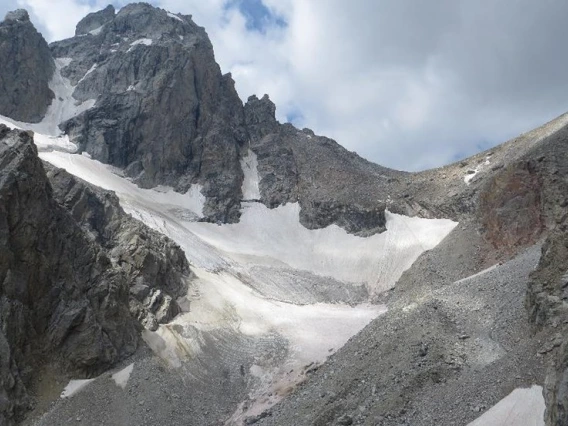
(522, 407)
(74, 386)
(121, 378)
(142, 41)
(171, 15)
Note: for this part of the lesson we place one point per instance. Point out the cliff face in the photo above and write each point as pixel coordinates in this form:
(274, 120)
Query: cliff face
(26, 68)
(72, 283)
(60, 299)
(163, 112)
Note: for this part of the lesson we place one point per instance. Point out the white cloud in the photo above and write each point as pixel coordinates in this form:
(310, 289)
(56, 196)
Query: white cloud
(57, 19)
(406, 84)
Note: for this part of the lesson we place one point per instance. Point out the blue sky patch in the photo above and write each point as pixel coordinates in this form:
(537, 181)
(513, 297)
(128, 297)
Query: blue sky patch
(259, 17)
(295, 117)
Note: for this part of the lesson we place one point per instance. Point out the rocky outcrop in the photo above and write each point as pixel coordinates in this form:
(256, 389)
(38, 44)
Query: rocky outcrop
(164, 111)
(156, 268)
(60, 299)
(547, 295)
(26, 68)
(76, 274)
(332, 185)
(510, 207)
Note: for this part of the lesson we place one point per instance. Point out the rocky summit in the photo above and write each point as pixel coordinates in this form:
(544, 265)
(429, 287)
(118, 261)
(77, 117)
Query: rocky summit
(171, 255)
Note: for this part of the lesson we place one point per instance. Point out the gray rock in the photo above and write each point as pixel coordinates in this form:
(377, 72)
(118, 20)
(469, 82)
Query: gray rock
(345, 420)
(68, 257)
(95, 20)
(60, 299)
(164, 111)
(156, 268)
(332, 185)
(26, 68)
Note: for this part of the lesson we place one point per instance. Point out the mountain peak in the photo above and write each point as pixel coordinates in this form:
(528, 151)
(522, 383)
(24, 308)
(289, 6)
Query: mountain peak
(26, 68)
(95, 20)
(260, 116)
(18, 15)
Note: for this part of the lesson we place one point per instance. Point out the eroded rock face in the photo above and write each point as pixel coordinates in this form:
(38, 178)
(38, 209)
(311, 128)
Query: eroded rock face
(60, 299)
(511, 207)
(26, 68)
(156, 268)
(547, 295)
(94, 21)
(332, 185)
(164, 111)
(166, 115)
(70, 264)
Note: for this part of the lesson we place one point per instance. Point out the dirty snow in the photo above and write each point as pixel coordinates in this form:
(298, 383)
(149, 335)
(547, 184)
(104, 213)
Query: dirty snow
(249, 165)
(104, 176)
(522, 407)
(378, 261)
(74, 386)
(121, 378)
(43, 142)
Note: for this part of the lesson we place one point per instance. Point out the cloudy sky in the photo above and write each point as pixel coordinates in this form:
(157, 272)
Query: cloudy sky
(407, 84)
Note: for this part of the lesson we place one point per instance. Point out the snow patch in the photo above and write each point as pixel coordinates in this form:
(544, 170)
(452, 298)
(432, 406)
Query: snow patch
(521, 407)
(74, 386)
(249, 165)
(121, 378)
(94, 67)
(481, 166)
(142, 41)
(468, 177)
(96, 31)
(44, 142)
(478, 274)
(171, 15)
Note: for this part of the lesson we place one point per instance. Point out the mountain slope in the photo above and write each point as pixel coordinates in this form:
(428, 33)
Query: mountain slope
(65, 285)
(324, 289)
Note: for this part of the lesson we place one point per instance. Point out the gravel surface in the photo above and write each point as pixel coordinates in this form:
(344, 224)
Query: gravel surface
(447, 350)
